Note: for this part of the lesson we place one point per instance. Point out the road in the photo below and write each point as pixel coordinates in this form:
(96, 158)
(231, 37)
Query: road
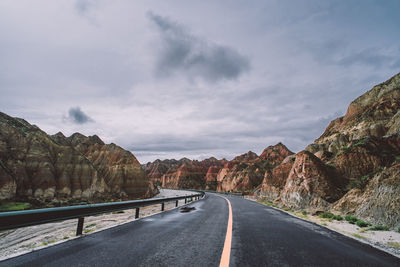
(261, 236)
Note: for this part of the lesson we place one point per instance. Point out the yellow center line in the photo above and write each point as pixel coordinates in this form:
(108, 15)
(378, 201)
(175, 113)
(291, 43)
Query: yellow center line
(226, 252)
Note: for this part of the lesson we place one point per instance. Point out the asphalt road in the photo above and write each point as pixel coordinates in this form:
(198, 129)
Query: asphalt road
(261, 236)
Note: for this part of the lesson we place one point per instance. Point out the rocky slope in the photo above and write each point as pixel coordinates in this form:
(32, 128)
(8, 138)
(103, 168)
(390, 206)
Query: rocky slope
(39, 168)
(193, 174)
(353, 168)
(156, 169)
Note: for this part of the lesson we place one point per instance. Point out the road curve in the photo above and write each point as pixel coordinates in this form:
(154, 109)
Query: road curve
(261, 236)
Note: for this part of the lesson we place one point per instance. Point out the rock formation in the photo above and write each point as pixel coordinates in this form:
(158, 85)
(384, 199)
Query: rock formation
(192, 174)
(39, 168)
(353, 168)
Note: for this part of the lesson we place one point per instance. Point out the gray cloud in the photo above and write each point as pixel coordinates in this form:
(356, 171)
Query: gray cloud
(193, 56)
(370, 56)
(83, 6)
(76, 115)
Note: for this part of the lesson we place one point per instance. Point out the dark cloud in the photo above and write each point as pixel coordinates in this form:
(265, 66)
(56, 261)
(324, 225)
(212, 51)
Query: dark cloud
(194, 57)
(76, 115)
(83, 6)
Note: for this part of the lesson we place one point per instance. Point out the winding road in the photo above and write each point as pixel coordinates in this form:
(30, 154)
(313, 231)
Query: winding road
(247, 234)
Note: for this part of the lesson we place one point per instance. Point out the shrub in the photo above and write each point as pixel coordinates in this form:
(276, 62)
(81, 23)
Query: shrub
(330, 165)
(345, 148)
(337, 217)
(305, 213)
(326, 214)
(351, 219)
(354, 184)
(361, 223)
(379, 228)
(398, 229)
(365, 177)
(359, 143)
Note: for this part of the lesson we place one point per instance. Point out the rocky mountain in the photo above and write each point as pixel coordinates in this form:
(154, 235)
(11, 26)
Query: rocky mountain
(40, 168)
(242, 174)
(193, 174)
(353, 167)
(246, 172)
(156, 169)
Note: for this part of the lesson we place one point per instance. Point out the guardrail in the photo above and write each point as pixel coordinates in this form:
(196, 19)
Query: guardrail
(225, 193)
(17, 219)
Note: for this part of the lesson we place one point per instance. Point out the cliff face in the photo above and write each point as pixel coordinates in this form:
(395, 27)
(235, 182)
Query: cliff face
(41, 168)
(192, 174)
(155, 170)
(246, 172)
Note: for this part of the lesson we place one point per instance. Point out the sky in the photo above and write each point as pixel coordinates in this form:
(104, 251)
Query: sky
(195, 79)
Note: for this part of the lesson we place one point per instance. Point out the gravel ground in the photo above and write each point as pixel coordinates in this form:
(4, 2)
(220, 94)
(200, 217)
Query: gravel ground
(23, 240)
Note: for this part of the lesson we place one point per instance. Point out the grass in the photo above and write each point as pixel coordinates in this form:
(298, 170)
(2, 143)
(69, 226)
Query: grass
(359, 143)
(345, 148)
(331, 165)
(14, 206)
(88, 230)
(44, 244)
(66, 237)
(394, 244)
(359, 236)
(362, 224)
(90, 225)
(324, 224)
(337, 217)
(268, 203)
(379, 228)
(351, 219)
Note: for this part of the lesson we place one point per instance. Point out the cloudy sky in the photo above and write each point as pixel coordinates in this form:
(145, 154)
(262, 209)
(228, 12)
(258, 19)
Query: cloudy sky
(167, 79)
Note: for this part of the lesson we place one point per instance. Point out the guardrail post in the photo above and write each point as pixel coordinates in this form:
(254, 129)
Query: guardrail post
(162, 206)
(176, 203)
(137, 213)
(185, 200)
(80, 226)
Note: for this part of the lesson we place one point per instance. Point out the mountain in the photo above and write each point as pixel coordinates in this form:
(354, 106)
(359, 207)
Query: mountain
(353, 167)
(156, 169)
(193, 174)
(40, 168)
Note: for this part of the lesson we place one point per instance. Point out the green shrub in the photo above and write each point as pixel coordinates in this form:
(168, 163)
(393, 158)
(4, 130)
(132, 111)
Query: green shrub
(380, 169)
(365, 177)
(379, 228)
(326, 214)
(337, 217)
(351, 219)
(398, 229)
(331, 165)
(354, 184)
(359, 143)
(345, 148)
(361, 223)
(305, 213)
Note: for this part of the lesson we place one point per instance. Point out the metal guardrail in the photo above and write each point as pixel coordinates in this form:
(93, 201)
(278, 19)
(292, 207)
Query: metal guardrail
(225, 193)
(17, 219)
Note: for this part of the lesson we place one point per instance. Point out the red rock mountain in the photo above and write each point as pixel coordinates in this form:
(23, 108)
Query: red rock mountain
(39, 168)
(353, 168)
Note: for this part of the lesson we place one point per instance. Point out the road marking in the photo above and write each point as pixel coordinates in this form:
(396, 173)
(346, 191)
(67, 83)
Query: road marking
(226, 252)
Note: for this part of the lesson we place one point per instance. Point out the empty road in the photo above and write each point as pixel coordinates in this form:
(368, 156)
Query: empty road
(260, 236)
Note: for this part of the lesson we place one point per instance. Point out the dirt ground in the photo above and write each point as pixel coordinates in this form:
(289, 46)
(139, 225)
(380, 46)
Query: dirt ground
(23, 240)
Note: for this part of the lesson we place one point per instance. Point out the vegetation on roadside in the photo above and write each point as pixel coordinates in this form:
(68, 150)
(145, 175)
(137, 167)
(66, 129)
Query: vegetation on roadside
(90, 225)
(14, 206)
(394, 244)
(379, 228)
